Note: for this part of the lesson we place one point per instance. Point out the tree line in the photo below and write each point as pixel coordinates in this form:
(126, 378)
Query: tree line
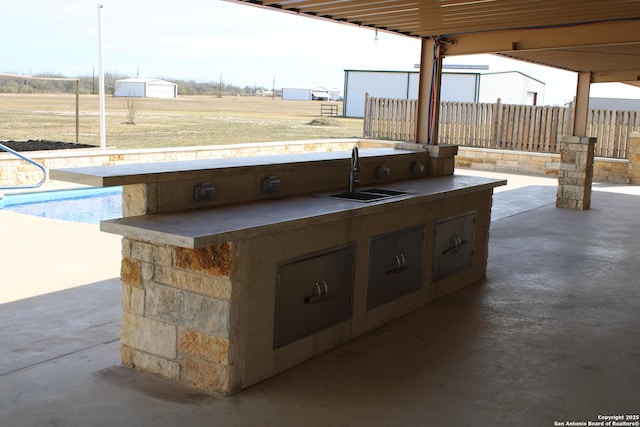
(89, 85)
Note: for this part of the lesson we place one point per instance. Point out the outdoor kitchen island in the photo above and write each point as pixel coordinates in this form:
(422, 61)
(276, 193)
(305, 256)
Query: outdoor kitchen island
(236, 269)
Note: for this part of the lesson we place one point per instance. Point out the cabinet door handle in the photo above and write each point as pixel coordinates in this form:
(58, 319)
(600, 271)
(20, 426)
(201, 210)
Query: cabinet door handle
(401, 265)
(456, 245)
(326, 288)
(319, 294)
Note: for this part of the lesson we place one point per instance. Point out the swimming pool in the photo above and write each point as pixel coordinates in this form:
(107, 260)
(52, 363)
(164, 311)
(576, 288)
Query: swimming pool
(90, 205)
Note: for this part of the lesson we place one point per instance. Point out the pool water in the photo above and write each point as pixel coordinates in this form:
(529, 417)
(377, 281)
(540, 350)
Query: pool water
(90, 205)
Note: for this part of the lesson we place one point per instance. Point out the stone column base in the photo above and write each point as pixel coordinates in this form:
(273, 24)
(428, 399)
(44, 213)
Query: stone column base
(177, 314)
(576, 172)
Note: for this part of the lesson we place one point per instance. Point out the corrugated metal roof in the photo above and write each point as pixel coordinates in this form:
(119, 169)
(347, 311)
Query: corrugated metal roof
(598, 36)
(427, 18)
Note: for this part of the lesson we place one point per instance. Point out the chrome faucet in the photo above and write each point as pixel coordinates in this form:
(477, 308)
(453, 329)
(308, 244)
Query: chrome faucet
(355, 167)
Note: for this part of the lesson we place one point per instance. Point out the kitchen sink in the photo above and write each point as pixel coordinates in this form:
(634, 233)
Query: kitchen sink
(369, 195)
(385, 191)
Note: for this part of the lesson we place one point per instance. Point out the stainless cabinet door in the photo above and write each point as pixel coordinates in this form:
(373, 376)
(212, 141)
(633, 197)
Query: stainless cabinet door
(337, 285)
(312, 294)
(384, 268)
(295, 317)
(453, 244)
(412, 259)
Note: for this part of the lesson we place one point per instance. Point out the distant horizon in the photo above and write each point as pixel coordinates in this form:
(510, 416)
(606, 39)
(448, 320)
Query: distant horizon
(594, 94)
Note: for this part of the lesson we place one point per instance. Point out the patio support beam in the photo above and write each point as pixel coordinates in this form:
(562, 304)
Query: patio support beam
(616, 76)
(429, 92)
(582, 104)
(532, 39)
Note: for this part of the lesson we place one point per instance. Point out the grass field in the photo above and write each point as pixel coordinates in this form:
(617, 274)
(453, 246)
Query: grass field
(186, 121)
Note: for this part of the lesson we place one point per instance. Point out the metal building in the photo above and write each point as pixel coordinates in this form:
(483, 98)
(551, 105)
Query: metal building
(310, 94)
(145, 88)
(511, 87)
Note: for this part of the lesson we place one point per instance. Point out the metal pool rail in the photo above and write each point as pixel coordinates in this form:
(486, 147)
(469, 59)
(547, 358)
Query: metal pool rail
(26, 159)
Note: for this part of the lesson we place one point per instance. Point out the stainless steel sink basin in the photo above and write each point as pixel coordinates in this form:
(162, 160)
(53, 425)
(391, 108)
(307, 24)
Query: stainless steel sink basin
(385, 191)
(369, 195)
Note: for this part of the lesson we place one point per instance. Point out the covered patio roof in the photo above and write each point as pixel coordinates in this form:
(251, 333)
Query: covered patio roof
(585, 36)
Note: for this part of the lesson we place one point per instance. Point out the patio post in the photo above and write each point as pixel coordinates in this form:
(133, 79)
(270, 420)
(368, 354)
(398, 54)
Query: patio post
(582, 104)
(429, 92)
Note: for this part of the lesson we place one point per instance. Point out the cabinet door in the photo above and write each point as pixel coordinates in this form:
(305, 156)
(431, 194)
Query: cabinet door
(395, 265)
(312, 294)
(453, 244)
(412, 259)
(294, 316)
(384, 266)
(336, 305)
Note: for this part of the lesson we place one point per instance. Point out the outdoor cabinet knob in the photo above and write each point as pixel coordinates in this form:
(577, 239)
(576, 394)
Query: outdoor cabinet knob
(416, 168)
(204, 192)
(383, 171)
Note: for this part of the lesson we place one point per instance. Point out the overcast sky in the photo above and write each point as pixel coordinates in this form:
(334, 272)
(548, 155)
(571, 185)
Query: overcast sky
(206, 39)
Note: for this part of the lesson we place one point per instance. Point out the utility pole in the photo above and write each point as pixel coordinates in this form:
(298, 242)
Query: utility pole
(103, 134)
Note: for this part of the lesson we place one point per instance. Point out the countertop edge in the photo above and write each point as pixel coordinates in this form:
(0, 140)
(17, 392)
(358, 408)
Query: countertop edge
(145, 173)
(149, 227)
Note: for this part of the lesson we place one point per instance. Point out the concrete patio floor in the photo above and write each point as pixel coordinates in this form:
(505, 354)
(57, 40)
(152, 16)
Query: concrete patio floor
(550, 336)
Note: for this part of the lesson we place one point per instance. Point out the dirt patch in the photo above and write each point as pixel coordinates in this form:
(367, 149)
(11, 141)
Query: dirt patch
(42, 144)
(323, 121)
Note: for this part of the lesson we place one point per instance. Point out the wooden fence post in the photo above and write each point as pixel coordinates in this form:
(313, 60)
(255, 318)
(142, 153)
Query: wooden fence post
(367, 117)
(497, 118)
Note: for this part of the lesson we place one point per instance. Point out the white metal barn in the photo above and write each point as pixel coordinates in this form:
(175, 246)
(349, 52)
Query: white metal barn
(381, 84)
(296, 94)
(313, 94)
(146, 88)
(511, 87)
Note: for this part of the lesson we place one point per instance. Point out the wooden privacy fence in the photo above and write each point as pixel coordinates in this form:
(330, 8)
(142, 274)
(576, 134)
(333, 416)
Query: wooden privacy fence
(390, 118)
(612, 128)
(503, 126)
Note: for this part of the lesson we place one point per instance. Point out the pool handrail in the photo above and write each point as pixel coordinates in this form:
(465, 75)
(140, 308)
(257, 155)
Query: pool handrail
(26, 159)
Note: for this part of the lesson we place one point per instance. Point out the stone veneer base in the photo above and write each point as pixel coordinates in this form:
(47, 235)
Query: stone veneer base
(576, 172)
(177, 313)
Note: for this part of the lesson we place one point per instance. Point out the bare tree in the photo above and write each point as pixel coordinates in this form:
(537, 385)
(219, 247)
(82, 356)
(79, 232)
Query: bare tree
(132, 105)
